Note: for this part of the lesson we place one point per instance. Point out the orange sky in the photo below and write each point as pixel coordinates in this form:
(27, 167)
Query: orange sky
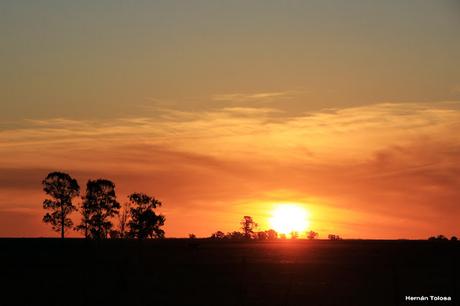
(225, 109)
(378, 171)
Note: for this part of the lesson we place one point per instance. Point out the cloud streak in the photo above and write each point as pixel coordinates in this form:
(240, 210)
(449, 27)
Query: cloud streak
(258, 96)
(394, 164)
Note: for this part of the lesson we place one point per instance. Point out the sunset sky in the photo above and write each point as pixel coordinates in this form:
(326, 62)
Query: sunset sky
(222, 109)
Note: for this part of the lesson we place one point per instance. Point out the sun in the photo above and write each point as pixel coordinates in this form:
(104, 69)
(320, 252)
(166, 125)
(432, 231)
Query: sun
(288, 218)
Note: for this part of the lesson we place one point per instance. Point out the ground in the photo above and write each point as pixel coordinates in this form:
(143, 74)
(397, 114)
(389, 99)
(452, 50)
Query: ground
(208, 272)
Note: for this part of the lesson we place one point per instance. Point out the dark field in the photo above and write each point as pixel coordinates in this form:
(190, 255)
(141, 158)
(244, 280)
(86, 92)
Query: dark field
(205, 272)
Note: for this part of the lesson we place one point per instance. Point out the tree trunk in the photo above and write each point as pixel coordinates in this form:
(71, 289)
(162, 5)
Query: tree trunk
(62, 223)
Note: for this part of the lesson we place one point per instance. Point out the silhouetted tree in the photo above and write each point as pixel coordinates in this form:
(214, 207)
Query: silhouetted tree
(272, 234)
(62, 188)
(218, 235)
(114, 234)
(99, 206)
(144, 222)
(312, 235)
(453, 238)
(123, 220)
(262, 235)
(191, 236)
(248, 225)
(334, 237)
(294, 235)
(235, 235)
(84, 223)
(441, 238)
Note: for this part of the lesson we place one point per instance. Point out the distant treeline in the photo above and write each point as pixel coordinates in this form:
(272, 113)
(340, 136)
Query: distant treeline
(248, 231)
(442, 238)
(137, 217)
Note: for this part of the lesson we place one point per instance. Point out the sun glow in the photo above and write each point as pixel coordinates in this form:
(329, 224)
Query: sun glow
(288, 218)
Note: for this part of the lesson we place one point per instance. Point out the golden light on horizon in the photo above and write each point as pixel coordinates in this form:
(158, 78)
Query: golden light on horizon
(289, 217)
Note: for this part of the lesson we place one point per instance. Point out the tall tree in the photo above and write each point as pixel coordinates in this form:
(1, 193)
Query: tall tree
(84, 224)
(62, 188)
(123, 220)
(144, 222)
(248, 226)
(99, 206)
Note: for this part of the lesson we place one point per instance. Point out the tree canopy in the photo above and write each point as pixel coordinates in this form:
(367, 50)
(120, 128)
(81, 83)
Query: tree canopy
(144, 222)
(99, 206)
(248, 226)
(62, 188)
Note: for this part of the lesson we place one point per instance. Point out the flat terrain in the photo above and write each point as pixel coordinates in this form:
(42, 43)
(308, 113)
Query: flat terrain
(206, 272)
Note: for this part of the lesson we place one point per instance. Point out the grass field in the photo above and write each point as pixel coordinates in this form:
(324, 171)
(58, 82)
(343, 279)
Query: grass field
(206, 272)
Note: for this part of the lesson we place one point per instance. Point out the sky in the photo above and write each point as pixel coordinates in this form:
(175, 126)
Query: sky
(222, 109)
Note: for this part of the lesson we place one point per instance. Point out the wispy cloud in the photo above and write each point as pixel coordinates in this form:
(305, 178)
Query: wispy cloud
(386, 161)
(257, 96)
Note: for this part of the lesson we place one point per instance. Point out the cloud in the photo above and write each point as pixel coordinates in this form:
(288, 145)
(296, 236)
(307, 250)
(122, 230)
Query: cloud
(391, 164)
(257, 96)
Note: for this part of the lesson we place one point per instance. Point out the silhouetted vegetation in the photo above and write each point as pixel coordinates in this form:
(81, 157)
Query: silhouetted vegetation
(218, 235)
(144, 222)
(123, 219)
(136, 219)
(312, 235)
(62, 188)
(248, 226)
(441, 238)
(114, 234)
(272, 234)
(235, 235)
(267, 235)
(262, 235)
(99, 206)
(334, 237)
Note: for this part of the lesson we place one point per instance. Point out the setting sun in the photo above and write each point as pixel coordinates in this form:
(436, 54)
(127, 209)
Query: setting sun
(288, 218)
